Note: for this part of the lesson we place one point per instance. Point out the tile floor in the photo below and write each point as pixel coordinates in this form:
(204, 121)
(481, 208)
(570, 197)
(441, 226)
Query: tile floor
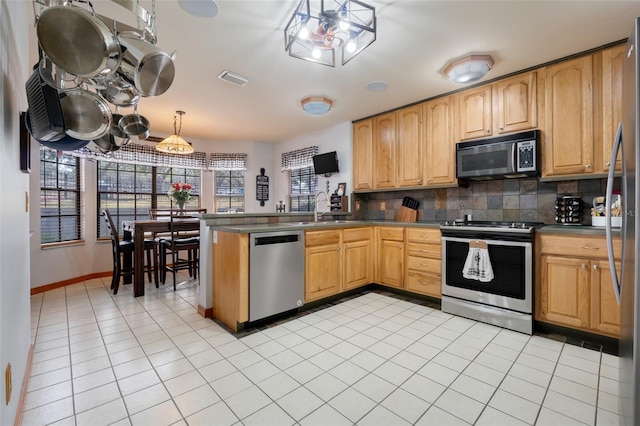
(372, 359)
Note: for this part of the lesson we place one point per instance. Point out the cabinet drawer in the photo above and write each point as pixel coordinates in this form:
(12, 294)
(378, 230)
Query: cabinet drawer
(394, 234)
(569, 245)
(423, 235)
(425, 283)
(322, 238)
(425, 250)
(423, 264)
(356, 234)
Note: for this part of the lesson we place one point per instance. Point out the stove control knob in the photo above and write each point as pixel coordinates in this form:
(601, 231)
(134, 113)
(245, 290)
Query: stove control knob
(523, 225)
(513, 225)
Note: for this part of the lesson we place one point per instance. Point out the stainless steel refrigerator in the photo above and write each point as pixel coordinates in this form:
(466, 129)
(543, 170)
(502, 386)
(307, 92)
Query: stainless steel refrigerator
(627, 277)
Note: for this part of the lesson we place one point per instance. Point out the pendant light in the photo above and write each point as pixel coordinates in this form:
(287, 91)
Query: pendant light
(174, 144)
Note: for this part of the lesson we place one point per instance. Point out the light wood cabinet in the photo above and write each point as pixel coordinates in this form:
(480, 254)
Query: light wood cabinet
(515, 103)
(575, 288)
(474, 113)
(231, 278)
(410, 142)
(509, 105)
(323, 264)
(337, 260)
(612, 60)
(568, 144)
(357, 257)
(440, 155)
(390, 255)
(423, 261)
(363, 154)
(384, 151)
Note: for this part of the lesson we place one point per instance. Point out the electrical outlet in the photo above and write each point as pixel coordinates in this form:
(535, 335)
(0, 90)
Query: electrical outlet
(357, 206)
(383, 205)
(7, 383)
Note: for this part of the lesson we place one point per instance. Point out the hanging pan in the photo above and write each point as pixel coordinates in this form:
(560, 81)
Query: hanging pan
(135, 125)
(66, 143)
(86, 115)
(78, 41)
(148, 68)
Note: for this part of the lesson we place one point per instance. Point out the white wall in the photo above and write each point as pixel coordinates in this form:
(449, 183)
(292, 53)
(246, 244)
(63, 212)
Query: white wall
(15, 322)
(336, 138)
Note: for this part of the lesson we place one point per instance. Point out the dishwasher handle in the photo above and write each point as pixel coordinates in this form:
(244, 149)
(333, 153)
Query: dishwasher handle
(277, 239)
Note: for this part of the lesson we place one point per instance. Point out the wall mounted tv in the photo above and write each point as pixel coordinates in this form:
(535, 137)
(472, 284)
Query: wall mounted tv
(325, 164)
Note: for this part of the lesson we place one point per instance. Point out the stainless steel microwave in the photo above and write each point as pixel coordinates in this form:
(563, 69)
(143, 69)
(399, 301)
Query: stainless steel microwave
(509, 156)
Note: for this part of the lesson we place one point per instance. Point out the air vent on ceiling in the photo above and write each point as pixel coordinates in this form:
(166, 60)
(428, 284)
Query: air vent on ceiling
(232, 78)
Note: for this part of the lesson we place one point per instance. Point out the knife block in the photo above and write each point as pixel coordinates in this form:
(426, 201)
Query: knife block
(405, 214)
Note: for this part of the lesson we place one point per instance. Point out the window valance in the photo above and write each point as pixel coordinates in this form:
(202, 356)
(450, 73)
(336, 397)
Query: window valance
(228, 161)
(145, 155)
(298, 159)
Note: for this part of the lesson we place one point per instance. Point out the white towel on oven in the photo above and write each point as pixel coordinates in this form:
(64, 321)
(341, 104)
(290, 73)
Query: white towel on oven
(478, 265)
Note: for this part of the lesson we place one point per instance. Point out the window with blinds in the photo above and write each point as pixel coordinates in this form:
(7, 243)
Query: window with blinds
(229, 195)
(60, 195)
(130, 190)
(303, 186)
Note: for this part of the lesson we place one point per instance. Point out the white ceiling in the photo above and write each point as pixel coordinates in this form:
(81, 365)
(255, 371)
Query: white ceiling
(415, 40)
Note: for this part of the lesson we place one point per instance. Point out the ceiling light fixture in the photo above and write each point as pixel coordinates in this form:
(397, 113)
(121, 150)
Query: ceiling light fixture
(174, 144)
(315, 34)
(468, 69)
(316, 105)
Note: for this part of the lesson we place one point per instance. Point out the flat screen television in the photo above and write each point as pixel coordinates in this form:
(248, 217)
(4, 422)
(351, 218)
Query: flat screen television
(325, 163)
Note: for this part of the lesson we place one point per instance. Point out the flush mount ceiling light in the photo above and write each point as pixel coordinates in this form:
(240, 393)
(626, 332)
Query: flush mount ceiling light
(468, 69)
(174, 144)
(316, 105)
(202, 8)
(315, 33)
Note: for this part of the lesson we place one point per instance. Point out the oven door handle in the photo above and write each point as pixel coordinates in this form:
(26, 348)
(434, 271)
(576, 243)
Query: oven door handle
(615, 280)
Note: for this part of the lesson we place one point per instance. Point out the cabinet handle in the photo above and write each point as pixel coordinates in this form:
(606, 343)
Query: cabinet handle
(424, 265)
(501, 127)
(587, 166)
(419, 181)
(399, 245)
(429, 179)
(488, 130)
(591, 248)
(608, 163)
(339, 248)
(596, 267)
(583, 266)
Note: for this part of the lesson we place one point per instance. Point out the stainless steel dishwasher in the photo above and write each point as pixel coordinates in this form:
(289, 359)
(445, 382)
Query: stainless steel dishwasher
(276, 273)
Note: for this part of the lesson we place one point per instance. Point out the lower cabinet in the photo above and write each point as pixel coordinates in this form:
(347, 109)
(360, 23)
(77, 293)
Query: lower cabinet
(423, 261)
(322, 264)
(337, 260)
(390, 255)
(575, 288)
(357, 257)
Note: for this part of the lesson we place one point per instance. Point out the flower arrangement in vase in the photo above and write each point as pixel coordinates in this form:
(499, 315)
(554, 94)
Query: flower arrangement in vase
(180, 193)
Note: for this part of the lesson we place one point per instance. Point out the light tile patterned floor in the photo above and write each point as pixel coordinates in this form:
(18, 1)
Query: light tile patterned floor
(373, 359)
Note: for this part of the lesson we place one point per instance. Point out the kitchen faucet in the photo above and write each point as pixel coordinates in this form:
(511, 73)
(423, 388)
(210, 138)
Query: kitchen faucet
(326, 203)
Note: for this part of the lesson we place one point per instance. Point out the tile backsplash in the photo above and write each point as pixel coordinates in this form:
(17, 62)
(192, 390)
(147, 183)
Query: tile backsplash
(499, 200)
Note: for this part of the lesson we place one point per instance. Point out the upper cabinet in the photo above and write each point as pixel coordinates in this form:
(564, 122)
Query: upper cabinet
(440, 155)
(514, 103)
(568, 144)
(384, 151)
(410, 141)
(612, 60)
(509, 105)
(363, 154)
(474, 119)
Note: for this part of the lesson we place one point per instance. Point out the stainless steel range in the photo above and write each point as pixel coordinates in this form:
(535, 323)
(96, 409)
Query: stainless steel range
(505, 298)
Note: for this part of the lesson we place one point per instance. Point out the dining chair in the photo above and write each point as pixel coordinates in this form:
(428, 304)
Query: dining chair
(125, 248)
(181, 250)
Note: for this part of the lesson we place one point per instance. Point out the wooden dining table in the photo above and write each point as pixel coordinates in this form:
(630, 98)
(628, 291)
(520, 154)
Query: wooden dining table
(136, 230)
